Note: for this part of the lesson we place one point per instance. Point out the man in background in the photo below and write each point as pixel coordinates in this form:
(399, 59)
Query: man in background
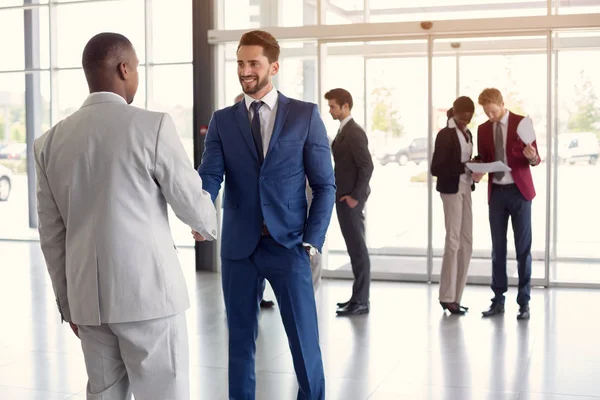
(353, 170)
(509, 195)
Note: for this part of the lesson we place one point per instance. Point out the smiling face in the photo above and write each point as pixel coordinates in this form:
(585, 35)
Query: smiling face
(255, 71)
(463, 119)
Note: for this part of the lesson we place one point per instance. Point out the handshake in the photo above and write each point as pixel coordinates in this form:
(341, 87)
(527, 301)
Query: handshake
(198, 237)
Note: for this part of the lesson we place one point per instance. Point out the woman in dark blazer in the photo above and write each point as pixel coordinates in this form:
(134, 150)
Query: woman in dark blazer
(453, 149)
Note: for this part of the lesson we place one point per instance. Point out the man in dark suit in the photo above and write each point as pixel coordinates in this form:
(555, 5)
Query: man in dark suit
(267, 146)
(509, 195)
(353, 170)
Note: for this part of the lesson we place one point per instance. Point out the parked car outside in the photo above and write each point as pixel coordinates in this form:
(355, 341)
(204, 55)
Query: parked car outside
(5, 182)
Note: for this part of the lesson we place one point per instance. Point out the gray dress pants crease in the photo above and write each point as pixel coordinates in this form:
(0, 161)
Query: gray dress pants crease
(352, 225)
(149, 359)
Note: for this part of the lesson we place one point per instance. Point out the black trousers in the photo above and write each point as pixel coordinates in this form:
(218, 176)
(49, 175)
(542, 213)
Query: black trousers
(352, 225)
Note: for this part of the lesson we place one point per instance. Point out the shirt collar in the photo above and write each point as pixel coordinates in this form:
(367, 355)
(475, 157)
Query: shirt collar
(103, 97)
(270, 99)
(504, 119)
(345, 121)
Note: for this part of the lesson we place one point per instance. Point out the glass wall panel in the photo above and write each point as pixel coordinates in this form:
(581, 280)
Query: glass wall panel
(388, 81)
(342, 70)
(243, 14)
(77, 23)
(297, 12)
(12, 3)
(14, 201)
(397, 126)
(435, 10)
(171, 41)
(12, 30)
(576, 152)
(576, 6)
(339, 12)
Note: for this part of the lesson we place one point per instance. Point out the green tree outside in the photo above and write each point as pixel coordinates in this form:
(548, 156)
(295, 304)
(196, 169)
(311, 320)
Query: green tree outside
(586, 115)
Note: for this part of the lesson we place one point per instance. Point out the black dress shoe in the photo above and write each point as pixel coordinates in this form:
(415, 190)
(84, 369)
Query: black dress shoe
(344, 304)
(495, 309)
(266, 304)
(523, 313)
(354, 309)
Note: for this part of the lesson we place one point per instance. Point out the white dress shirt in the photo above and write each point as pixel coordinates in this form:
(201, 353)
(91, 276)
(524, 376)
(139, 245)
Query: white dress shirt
(344, 122)
(507, 178)
(466, 150)
(267, 115)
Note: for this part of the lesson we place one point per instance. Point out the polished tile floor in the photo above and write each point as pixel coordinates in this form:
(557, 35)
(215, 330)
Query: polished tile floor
(405, 349)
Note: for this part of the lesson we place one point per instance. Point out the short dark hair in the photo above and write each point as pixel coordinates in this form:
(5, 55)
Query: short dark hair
(461, 104)
(341, 97)
(263, 39)
(104, 48)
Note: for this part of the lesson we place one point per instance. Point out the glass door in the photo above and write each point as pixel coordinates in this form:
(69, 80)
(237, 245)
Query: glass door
(388, 81)
(576, 149)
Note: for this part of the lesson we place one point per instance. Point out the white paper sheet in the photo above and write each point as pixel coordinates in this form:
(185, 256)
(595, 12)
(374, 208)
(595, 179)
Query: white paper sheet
(525, 130)
(482, 168)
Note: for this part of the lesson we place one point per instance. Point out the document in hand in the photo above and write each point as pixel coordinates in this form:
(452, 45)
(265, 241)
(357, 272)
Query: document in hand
(525, 130)
(482, 168)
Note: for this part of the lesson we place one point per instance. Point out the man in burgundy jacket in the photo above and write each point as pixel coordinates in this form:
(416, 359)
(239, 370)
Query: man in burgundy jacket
(509, 195)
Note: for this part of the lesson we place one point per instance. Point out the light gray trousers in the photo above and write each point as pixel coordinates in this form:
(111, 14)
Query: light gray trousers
(149, 359)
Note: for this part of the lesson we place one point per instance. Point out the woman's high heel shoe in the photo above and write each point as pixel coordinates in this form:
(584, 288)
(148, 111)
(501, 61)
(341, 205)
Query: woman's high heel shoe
(453, 308)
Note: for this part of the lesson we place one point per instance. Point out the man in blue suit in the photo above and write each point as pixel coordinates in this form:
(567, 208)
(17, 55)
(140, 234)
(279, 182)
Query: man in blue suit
(267, 146)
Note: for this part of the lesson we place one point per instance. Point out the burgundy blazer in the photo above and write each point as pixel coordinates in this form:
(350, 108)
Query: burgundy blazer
(521, 171)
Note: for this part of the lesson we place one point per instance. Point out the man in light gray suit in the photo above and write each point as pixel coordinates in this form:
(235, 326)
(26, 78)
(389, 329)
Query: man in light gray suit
(105, 176)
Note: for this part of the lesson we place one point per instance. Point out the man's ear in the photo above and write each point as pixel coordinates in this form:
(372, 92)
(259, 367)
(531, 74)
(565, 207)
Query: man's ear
(123, 72)
(275, 68)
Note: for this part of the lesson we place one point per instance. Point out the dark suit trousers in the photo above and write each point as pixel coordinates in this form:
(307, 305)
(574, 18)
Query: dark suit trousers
(352, 225)
(507, 201)
(288, 271)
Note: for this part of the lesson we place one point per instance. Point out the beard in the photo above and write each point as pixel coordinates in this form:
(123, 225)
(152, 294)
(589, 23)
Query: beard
(259, 84)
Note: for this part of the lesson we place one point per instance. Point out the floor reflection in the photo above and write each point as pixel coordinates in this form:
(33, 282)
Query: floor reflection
(406, 348)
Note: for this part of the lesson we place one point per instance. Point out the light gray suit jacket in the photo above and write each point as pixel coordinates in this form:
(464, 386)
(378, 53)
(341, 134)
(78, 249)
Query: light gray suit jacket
(105, 175)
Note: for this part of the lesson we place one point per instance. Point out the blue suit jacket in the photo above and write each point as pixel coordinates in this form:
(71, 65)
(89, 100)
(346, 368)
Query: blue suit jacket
(275, 192)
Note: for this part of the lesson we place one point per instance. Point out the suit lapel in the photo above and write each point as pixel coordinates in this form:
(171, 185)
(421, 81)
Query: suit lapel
(283, 106)
(241, 117)
(340, 135)
(511, 135)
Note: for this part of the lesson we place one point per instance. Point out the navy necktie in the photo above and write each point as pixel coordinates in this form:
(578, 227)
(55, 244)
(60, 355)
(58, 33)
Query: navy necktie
(256, 133)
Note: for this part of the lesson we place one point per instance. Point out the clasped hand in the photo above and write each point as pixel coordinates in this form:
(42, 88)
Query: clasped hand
(198, 237)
